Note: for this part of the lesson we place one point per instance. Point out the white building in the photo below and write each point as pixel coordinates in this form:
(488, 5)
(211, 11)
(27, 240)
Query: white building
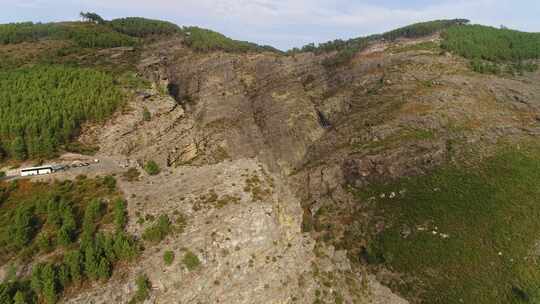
(42, 170)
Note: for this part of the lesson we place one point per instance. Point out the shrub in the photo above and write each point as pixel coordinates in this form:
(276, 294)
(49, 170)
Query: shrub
(191, 260)
(132, 174)
(168, 257)
(110, 182)
(2, 174)
(159, 230)
(120, 215)
(43, 241)
(143, 289)
(151, 167)
(147, 116)
(73, 261)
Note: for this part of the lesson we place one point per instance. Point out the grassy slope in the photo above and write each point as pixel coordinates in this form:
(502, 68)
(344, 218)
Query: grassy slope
(485, 211)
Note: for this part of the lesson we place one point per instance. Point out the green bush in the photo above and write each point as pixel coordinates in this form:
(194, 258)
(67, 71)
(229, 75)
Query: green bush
(158, 231)
(191, 260)
(120, 214)
(143, 289)
(168, 257)
(2, 174)
(151, 167)
(147, 116)
(132, 174)
(110, 182)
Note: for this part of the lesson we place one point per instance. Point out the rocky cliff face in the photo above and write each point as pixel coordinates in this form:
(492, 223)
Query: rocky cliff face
(253, 146)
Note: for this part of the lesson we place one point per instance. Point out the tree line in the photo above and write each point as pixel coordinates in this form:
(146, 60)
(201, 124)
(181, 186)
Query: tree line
(83, 34)
(96, 32)
(345, 49)
(43, 107)
(205, 40)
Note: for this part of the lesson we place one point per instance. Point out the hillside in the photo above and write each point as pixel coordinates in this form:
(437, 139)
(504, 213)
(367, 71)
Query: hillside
(394, 168)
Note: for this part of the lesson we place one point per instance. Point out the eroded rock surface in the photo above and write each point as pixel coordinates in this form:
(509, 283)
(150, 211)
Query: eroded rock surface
(252, 147)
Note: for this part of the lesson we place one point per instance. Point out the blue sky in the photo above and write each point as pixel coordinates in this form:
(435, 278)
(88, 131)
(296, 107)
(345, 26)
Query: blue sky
(286, 23)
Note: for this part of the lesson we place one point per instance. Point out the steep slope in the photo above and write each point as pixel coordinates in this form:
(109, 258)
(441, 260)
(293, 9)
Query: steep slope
(304, 182)
(399, 109)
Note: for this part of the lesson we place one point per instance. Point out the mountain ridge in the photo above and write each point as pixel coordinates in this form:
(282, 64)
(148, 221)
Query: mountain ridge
(276, 178)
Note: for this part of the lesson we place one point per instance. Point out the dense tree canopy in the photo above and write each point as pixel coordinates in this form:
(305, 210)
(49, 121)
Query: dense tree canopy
(42, 107)
(206, 40)
(92, 17)
(423, 29)
(142, 27)
(84, 34)
(493, 44)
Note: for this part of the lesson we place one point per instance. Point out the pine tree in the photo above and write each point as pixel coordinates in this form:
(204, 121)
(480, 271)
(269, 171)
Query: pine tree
(91, 263)
(18, 148)
(49, 281)
(72, 260)
(19, 298)
(104, 268)
(21, 230)
(120, 217)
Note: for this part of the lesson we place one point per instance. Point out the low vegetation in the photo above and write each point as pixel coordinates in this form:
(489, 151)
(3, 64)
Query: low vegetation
(143, 289)
(152, 168)
(191, 260)
(159, 230)
(60, 225)
(132, 174)
(462, 234)
(168, 257)
(147, 116)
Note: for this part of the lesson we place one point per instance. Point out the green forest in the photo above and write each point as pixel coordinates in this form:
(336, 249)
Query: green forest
(96, 32)
(83, 34)
(142, 27)
(43, 107)
(205, 40)
(493, 50)
(62, 219)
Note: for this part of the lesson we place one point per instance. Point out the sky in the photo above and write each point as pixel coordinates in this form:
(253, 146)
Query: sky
(286, 23)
